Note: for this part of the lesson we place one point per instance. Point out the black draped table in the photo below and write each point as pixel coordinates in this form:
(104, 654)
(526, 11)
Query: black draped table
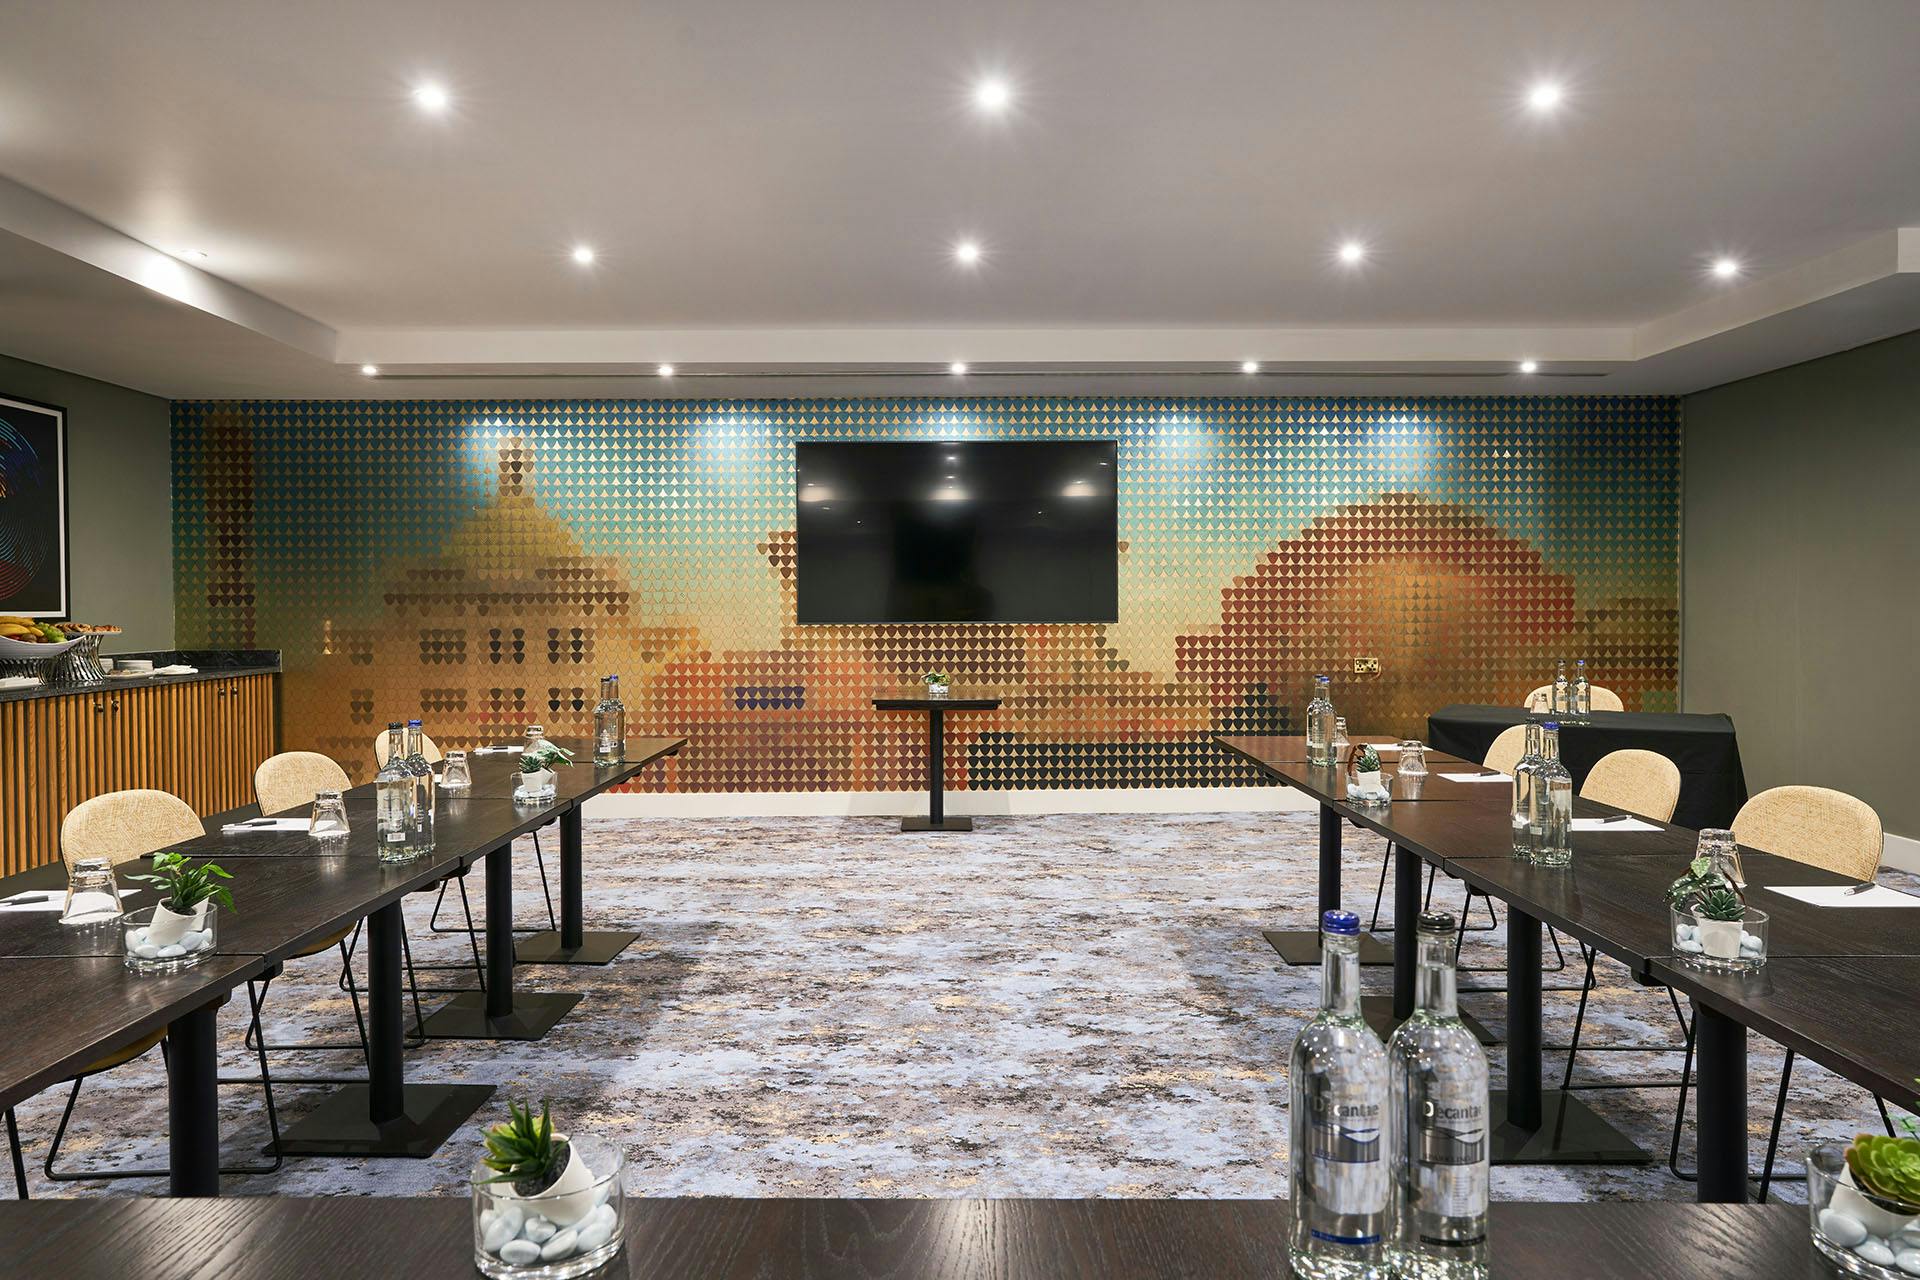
(1712, 786)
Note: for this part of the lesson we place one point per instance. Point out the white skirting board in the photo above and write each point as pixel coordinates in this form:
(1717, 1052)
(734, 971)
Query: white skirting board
(763, 804)
(1902, 852)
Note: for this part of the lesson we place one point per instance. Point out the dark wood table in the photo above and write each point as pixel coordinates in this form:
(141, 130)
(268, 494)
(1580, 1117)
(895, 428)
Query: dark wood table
(936, 709)
(1283, 758)
(257, 1238)
(66, 1012)
(1702, 746)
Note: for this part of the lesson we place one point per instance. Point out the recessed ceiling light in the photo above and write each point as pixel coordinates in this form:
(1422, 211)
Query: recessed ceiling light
(371, 370)
(967, 252)
(1726, 268)
(957, 368)
(583, 254)
(1249, 366)
(430, 97)
(992, 95)
(1545, 96)
(665, 371)
(1353, 253)
(1529, 366)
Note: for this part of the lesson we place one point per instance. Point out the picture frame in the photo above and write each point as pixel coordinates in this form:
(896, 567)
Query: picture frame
(35, 573)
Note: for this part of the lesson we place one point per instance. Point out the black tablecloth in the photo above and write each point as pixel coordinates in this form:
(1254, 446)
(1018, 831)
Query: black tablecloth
(1712, 787)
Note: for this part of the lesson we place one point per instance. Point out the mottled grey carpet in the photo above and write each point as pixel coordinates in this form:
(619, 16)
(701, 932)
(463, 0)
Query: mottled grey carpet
(1052, 1006)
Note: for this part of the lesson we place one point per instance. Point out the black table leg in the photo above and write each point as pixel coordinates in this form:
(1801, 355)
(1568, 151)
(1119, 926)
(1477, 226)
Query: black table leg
(572, 944)
(1302, 946)
(499, 1013)
(385, 1116)
(1534, 1125)
(1720, 1044)
(1406, 938)
(937, 819)
(193, 1107)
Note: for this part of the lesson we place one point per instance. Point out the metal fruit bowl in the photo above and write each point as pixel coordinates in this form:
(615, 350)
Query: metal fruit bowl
(17, 650)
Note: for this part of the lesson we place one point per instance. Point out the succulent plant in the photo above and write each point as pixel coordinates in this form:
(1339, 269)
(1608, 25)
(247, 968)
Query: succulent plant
(1695, 884)
(546, 755)
(524, 1151)
(1721, 904)
(1887, 1167)
(935, 677)
(1366, 760)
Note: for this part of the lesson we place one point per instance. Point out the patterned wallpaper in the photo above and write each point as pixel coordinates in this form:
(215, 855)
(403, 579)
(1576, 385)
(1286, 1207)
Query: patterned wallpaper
(482, 563)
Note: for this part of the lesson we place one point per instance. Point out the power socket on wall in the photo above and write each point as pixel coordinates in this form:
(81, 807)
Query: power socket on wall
(1366, 666)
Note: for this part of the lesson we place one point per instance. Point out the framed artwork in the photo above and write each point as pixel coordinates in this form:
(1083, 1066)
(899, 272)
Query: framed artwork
(33, 509)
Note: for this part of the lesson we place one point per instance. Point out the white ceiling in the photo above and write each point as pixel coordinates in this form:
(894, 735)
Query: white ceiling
(756, 174)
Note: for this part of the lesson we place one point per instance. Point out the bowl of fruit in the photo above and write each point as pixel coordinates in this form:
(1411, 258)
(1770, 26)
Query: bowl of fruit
(29, 639)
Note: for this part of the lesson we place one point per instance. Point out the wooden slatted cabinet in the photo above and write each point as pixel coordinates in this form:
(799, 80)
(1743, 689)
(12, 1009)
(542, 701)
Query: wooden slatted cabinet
(200, 739)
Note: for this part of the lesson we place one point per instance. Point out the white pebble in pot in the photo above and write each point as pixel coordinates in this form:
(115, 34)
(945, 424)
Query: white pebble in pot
(495, 1234)
(1874, 1250)
(520, 1253)
(171, 950)
(1908, 1260)
(561, 1246)
(1840, 1229)
(538, 1230)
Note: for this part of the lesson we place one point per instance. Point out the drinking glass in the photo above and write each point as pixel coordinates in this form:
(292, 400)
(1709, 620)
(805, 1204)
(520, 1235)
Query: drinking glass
(1413, 760)
(1341, 747)
(93, 896)
(1723, 855)
(329, 817)
(456, 774)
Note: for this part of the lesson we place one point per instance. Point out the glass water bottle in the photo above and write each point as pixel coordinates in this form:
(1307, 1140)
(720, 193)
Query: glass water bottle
(1560, 702)
(1526, 794)
(1439, 1089)
(1338, 1119)
(610, 724)
(1320, 723)
(394, 793)
(1582, 691)
(1553, 807)
(425, 805)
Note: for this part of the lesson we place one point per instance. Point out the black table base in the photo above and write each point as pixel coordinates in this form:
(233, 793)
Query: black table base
(193, 1107)
(947, 822)
(571, 943)
(465, 1017)
(1570, 1132)
(1299, 946)
(1721, 1128)
(430, 1114)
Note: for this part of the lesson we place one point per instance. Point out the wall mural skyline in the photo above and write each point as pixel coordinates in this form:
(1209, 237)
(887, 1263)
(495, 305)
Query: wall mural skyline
(482, 563)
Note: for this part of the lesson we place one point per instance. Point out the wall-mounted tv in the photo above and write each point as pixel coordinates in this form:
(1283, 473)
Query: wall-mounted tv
(957, 531)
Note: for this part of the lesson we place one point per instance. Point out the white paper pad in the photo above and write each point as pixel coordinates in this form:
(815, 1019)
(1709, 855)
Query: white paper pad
(483, 751)
(55, 904)
(1612, 824)
(1476, 777)
(1835, 895)
(267, 824)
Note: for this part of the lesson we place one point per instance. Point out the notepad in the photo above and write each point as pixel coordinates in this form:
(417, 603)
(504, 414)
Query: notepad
(485, 751)
(1476, 777)
(1612, 824)
(1835, 895)
(266, 824)
(55, 900)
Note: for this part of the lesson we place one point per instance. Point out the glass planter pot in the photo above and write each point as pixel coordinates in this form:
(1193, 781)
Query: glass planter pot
(1861, 1234)
(161, 941)
(534, 788)
(1720, 946)
(938, 690)
(571, 1228)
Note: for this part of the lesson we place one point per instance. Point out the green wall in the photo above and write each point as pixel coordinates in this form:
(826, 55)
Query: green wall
(1802, 572)
(118, 503)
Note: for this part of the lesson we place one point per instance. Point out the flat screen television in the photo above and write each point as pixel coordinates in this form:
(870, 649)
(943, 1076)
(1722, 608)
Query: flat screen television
(957, 531)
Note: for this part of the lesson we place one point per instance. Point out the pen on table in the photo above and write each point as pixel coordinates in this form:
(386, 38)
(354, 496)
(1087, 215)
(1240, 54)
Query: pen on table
(32, 897)
(1860, 888)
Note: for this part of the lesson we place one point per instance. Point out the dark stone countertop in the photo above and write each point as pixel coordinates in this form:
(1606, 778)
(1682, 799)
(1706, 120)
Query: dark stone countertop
(214, 664)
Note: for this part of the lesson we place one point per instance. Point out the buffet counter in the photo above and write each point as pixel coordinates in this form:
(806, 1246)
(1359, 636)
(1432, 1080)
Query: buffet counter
(199, 736)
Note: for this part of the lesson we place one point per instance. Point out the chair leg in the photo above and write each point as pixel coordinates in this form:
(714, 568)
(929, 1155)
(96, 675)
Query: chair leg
(20, 1161)
(1380, 889)
(473, 938)
(1773, 1134)
(1427, 903)
(540, 861)
(1579, 1020)
(1680, 1108)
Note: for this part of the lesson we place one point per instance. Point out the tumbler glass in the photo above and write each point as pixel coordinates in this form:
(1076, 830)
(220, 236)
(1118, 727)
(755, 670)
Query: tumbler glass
(456, 774)
(1413, 760)
(93, 896)
(329, 817)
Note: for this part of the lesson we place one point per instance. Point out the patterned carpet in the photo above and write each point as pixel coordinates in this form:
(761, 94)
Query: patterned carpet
(1053, 1006)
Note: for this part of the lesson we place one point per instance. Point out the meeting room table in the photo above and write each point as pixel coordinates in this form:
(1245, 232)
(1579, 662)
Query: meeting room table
(1701, 745)
(292, 895)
